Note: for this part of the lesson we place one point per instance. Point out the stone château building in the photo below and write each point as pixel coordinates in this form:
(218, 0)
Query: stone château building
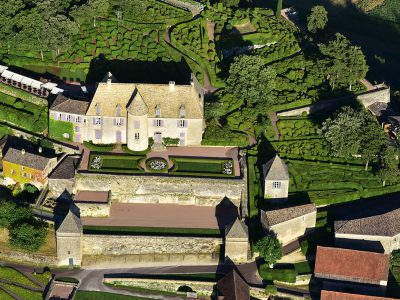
(130, 113)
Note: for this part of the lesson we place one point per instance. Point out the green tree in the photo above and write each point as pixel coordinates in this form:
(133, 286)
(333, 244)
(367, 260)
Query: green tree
(269, 248)
(11, 213)
(353, 132)
(231, 3)
(318, 19)
(251, 80)
(28, 236)
(389, 166)
(279, 8)
(343, 62)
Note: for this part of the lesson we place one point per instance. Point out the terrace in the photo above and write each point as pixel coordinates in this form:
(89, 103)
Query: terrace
(178, 161)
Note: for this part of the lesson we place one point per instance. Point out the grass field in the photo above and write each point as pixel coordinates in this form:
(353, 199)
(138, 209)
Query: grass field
(116, 163)
(200, 166)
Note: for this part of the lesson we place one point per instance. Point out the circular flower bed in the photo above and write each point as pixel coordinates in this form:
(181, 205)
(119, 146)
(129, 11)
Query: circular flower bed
(96, 162)
(157, 164)
(227, 168)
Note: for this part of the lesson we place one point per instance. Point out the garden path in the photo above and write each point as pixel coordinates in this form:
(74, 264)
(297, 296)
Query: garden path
(210, 30)
(21, 285)
(274, 120)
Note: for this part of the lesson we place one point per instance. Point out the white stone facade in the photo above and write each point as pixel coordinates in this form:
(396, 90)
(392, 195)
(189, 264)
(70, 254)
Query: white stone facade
(376, 243)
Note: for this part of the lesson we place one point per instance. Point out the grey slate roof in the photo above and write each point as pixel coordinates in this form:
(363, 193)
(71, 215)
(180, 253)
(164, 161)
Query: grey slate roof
(65, 169)
(383, 224)
(281, 215)
(237, 230)
(378, 108)
(276, 169)
(71, 224)
(233, 287)
(67, 105)
(36, 161)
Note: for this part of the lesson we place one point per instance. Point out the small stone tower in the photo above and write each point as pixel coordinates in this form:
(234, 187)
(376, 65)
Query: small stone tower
(69, 241)
(276, 179)
(237, 242)
(137, 132)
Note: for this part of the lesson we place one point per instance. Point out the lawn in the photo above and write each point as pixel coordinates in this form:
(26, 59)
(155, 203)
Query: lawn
(87, 295)
(15, 276)
(201, 166)
(157, 231)
(114, 163)
(23, 293)
(5, 296)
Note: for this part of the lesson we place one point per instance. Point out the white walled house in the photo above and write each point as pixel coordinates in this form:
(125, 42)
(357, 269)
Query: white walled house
(130, 113)
(289, 223)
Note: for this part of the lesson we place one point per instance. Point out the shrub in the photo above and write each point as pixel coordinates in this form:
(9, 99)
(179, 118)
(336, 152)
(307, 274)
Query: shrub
(271, 290)
(30, 188)
(269, 248)
(167, 141)
(286, 275)
(29, 236)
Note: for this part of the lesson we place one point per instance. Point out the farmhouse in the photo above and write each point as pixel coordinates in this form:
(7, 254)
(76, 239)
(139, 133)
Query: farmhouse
(289, 223)
(350, 270)
(379, 232)
(130, 113)
(25, 166)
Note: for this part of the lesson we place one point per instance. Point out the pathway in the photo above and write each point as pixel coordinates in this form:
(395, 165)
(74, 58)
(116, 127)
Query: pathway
(367, 84)
(274, 120)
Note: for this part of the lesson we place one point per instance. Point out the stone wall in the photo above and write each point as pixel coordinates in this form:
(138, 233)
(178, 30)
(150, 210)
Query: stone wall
(237, 249)
(93, 244)
(384, 244)
(93, 209)
(163, 189)
(61, 188)
(27, 258)
(379, 95)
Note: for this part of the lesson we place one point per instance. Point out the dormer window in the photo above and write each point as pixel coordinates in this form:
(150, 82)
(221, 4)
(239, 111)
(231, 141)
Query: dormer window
(158, 111)
(97, 109)
(182, 111)
(118, 111)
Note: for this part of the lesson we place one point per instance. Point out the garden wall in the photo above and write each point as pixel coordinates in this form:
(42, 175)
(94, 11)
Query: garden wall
(164, 189)
(27, 258)
(101, 250)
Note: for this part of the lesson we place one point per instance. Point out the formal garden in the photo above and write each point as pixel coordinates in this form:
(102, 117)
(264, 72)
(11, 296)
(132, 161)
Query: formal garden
(180, 166)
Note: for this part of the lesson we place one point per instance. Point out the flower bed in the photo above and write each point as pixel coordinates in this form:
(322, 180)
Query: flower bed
(156, 164)
(115, 163)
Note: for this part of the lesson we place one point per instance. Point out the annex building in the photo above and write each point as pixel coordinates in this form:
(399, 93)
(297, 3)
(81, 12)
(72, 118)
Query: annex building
(131, 113)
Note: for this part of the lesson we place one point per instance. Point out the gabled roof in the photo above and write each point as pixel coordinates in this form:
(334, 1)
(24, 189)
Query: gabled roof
(137, 107)
(233, 287)
(281, 215)
(71, 224)
(37, 161)
(67, 105)
(65, 169)
(237, 230)
(276, 169)
(381, 224)
(351, 265)
(331, 295)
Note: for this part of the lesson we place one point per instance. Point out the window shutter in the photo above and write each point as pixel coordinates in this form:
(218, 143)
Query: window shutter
(94, 121)
(101, 121)
(115, 121)
(154, 123)
(122, 121)
(178, 123)
(186, 123)
(162, 123)
(62, 117)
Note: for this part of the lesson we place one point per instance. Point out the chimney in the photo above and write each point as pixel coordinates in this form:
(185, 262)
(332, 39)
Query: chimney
(22, 151)
(109, 78)
(40, 149)
(172, 85)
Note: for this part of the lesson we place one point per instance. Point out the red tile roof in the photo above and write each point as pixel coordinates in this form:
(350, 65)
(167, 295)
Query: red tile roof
(329, 295)
(351, 265)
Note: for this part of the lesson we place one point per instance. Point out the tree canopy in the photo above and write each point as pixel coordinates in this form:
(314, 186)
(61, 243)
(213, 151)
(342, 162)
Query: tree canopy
(344, 62)
(317, 19)
(269, 248)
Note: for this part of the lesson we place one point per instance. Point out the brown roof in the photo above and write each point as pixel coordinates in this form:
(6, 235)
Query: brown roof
(281, 215)
(109, 95)
(92, 196)
(381, 224)
(330, 295)
(351, 265)
(67, 105)
(65, 169)
(37, 161)
(233, 287)
(62, 291)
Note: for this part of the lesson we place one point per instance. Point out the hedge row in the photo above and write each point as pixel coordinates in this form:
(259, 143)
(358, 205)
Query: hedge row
(285, 275)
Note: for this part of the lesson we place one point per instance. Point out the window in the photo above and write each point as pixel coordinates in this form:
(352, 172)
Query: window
(118, 111)
(276, 185)
(25, 175)
(137, 136)
(182, 111)
(12, 171)
(77, 128)
(97, 109)
(59, 116)
(68, 118)
(158, 123)
(182, 123)
(97, 121)
(97, 134)
(158, 111)
(118, 121)
(136, 124)
(77, 119)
